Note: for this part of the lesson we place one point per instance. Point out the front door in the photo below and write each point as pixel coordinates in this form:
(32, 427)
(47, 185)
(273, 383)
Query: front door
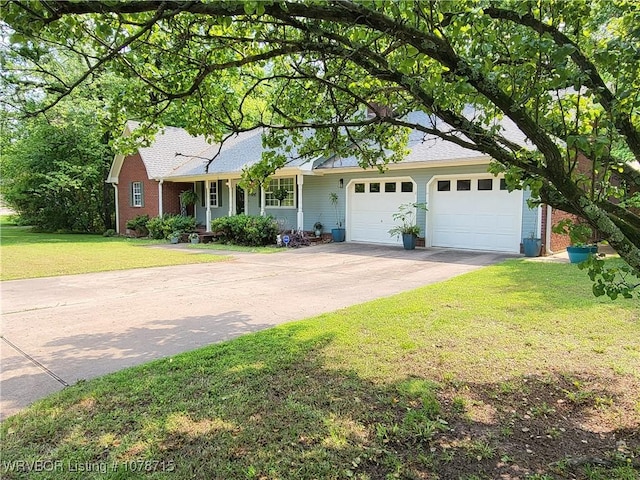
(239, 200)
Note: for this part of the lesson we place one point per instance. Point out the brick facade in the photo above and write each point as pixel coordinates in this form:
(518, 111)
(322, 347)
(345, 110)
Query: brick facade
(558, 242)
(133, 170)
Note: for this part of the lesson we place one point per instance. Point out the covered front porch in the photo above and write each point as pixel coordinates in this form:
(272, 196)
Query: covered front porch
(281, 197)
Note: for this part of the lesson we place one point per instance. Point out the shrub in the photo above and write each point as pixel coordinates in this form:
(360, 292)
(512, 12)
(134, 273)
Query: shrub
(246, 230)
(164, 226)
(109, 233)
(139, 224)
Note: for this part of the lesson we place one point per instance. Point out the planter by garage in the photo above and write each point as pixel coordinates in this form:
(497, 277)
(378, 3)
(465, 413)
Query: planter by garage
(531, 247)
(581, 254)
(409, 241)
(338, 234)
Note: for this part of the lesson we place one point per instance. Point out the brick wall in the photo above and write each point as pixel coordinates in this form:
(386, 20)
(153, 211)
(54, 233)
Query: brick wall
(171, 197)
(133, 170)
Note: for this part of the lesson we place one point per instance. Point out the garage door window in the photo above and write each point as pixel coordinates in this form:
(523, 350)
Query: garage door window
(463, 185)
(485, 184)
(444, 185)
(359, 187)
(407, 187)
(390, 187)
(374, 188)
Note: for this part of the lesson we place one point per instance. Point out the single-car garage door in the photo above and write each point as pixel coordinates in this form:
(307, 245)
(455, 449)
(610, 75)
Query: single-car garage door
(475, 213)
(371, 205)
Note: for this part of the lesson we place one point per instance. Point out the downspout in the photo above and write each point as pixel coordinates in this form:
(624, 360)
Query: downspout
(160, 210)
(115, 187)
(547, 233)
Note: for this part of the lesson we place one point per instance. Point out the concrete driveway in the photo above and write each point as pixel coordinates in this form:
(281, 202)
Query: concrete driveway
(59, 330)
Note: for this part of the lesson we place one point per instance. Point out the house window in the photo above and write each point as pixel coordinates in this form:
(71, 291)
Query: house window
(463, 185)
(213, 194)
(390, 187)
(406, 187)
(359, 187)
(374, 187)
(503, 184)
(280, 192)
(136, 194)
(444, 185)
(485, 184)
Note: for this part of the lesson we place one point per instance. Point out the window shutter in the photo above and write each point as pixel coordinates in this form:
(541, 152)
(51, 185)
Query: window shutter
(201, 187)
(142, 194)
(131, 194)
(219, 193)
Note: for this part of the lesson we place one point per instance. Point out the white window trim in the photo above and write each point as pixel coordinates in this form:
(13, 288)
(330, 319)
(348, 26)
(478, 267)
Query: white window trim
(136, 194)
(267, 192)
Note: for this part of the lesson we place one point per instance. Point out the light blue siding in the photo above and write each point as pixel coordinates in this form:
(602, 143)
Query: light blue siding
(316, 190)
(530, 217)
(318, 208)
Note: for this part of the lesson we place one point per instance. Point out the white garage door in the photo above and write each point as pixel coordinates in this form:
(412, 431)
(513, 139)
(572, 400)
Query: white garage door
(371, 205)
(475, 213)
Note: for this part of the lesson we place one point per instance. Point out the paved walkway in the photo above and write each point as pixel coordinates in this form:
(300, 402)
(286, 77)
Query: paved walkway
(83, 326)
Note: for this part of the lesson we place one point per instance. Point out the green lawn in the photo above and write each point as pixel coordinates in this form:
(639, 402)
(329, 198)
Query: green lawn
(513, 371)
(26, 254)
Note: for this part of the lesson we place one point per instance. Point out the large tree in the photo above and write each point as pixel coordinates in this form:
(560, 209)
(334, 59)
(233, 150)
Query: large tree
(565, 73)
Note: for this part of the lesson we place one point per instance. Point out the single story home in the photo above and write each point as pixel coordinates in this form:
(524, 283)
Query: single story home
(467, 207)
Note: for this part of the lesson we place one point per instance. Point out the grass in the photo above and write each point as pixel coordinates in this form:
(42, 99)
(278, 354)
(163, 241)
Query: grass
(492, 374)
(27, 254)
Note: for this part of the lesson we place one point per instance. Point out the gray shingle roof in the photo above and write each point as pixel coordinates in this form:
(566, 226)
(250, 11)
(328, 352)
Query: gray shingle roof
(175, 153)
(430, 148)
(160, 157)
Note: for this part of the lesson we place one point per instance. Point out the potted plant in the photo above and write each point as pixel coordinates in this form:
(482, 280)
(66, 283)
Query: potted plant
(317, 227)
(188, 197)
(579, 235)
(531, 245)
(174, 237)
(194, 237)
(408, 228)
(338, 234)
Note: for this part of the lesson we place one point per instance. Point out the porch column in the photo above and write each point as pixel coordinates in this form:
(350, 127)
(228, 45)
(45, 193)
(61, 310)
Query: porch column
(207, 189)
(115, 187)
(231, 209)
(245, 192)
(262, 200)
(300, 180)
(160, 197)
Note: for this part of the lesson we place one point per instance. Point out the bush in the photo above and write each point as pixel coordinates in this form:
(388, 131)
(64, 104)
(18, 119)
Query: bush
(162, 227)
(139, 225)
(109, 233)
(246, 230)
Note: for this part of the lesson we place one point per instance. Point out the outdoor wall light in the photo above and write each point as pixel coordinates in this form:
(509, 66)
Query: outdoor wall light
(341, 183)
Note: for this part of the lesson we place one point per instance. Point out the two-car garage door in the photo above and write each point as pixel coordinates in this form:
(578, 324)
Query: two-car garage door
(472, 212)
(476, 213)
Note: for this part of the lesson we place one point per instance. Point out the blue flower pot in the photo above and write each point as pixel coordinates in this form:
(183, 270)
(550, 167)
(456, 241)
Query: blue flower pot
(531, 247)
(409, 241)
(338, 234)
(581, 254)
